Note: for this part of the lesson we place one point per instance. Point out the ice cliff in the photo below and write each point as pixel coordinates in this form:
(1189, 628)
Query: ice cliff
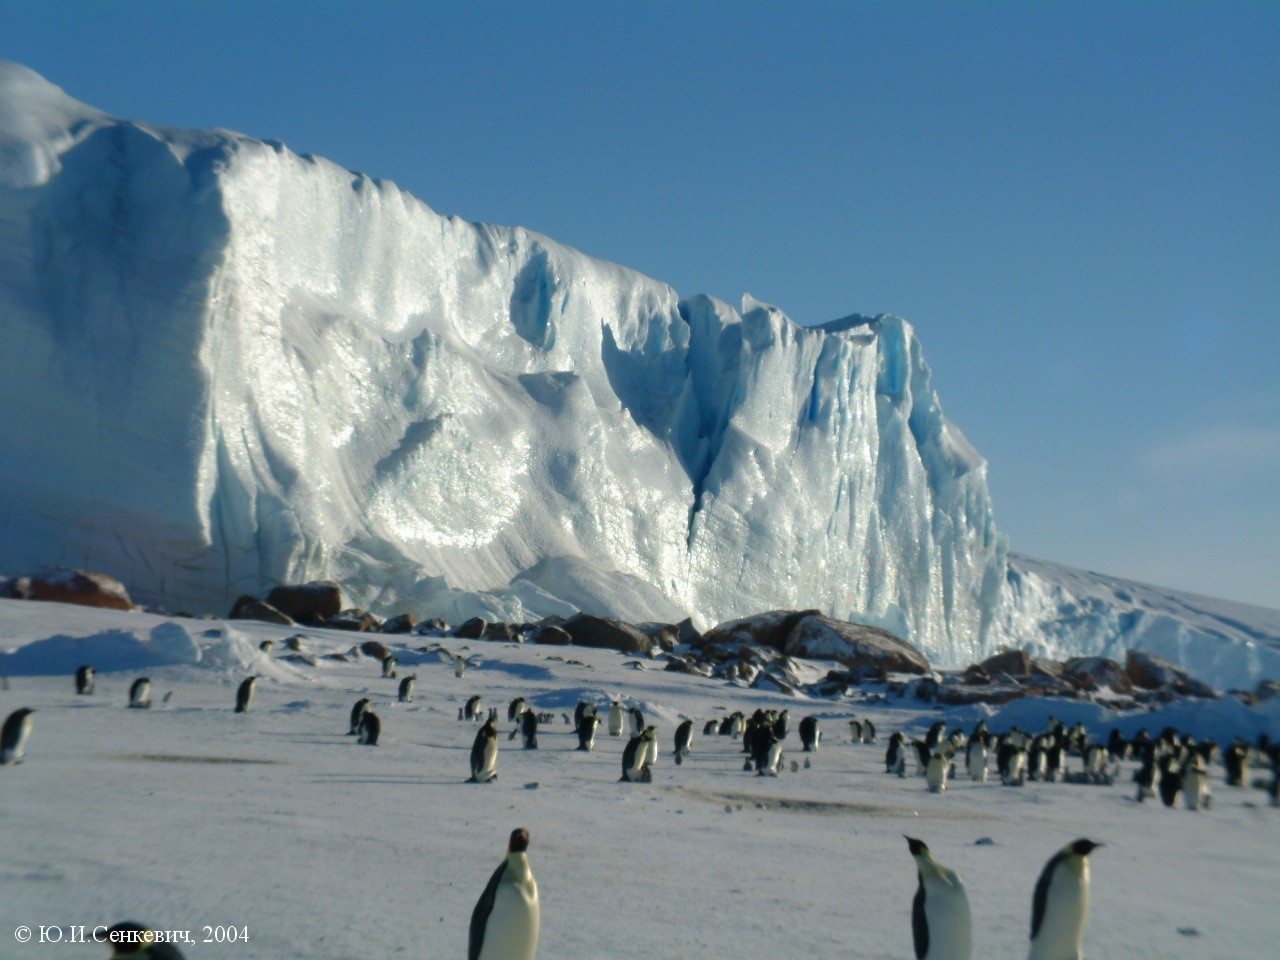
(224, 365)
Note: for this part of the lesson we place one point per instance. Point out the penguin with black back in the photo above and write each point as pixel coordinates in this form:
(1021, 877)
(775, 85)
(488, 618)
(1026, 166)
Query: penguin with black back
(13, 736)
(587, 732)
(484, 752)
(244, 694)
(1060, 904)
(529, 730)
(810, 734)
(370, 729)
(357, 714)
(507, 918)
(140, 694)
(683, 741)
(941, 924)
(84, 680)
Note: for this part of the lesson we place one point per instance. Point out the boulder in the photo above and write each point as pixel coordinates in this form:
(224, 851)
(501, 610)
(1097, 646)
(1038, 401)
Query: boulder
(764, 629)
(311, 603)
(854, 645)
(251, 608)
(688, 634)
(376, 649)
(361, 621)
(402, 623)
(1151, 672)
(1010, 663)
(84, 587)
(472, 629)
(589, 631)
(1093, 673)
(665, 635)
(502, 632)
(556, 636)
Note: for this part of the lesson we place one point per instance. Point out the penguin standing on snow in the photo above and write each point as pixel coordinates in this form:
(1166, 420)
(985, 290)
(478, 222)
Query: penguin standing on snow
(810, 734)
(615, 719)
(370, 729)
(941, 924)
(13, 736)
(634, 767)
(684, 741)
(472, 710)
(587, 732)
(529, 730)
(84, 680)
(406, 688)
(637, 721)
(938, 768)
(244, 694)
(128, 940)
(357, 714)
(1060, 905)
(506, 920)
(484, 753)
(140, 694)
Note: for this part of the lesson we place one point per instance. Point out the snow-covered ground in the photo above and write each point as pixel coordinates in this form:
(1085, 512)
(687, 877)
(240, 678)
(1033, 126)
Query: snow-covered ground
(188, 815)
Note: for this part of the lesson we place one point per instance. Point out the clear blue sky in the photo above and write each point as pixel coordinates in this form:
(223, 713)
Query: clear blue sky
(1077, 205)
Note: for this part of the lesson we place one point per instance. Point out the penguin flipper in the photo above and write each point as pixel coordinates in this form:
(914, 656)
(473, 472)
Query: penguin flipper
(1040, 899)
(480, 915)
(919, 924)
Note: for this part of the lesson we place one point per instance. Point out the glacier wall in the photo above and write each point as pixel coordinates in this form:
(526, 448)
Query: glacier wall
(224, 366)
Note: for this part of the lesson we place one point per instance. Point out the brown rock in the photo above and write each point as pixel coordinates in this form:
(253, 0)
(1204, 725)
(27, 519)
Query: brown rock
(552, 635)
(376, 649)
(1151, 672)
(502, 632)
(589, 631)
(1091, 673)
(401, 623)
(855, 645)
(764, 629)
(311, 603)
(472, 629)
(355, 619)
(251, 608)
(59, 585)
(1012, 663)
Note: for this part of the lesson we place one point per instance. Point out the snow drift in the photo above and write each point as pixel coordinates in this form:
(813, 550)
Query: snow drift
(226, 366)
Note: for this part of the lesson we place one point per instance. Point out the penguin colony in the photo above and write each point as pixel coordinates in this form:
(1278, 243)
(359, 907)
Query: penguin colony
(504, 926)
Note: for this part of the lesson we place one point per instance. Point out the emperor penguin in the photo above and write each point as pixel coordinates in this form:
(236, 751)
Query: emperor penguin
(406, 688)
(507, 917)
(484, 753)
(637, 721)
(855, 730)
(868, 732)
(459, 665)
(811, 734)
(357, 714)
(389, 668)
(615, 719)
(529, 730)
(634, 768)
(1060, 905)
(472, 709)
(140, 694)
(941, 924)
(1195, 785)
(587, 732)
(515, 708)
(711, 728)
(895, 756)
(13, 736)
(370, 729)
(244, 694)
(129, 940)
(684, 740)
(975, 759)
(84, 680)
(937, 769)
(583, 709)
